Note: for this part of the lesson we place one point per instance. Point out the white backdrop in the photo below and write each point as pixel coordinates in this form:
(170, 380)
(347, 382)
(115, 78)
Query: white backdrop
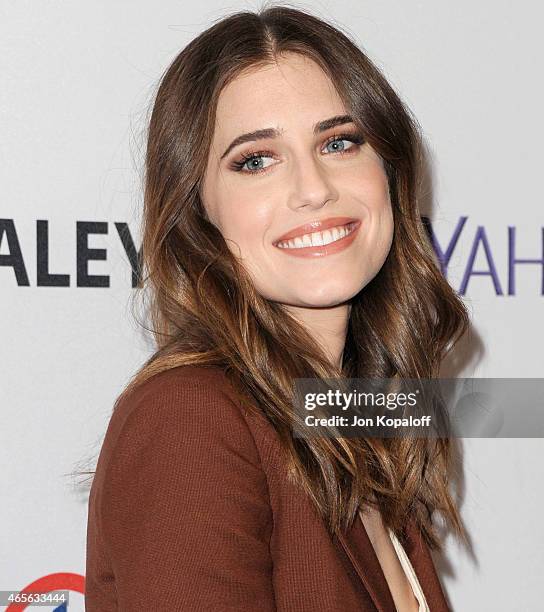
(77, 79)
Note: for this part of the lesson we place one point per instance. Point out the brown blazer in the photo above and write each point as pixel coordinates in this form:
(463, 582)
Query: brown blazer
(190, 509)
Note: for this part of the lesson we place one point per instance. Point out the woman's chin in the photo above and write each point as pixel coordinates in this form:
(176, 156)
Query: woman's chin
(322, 300)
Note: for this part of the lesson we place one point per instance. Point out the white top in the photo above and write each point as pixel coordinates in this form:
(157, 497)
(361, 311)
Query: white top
(410, 572)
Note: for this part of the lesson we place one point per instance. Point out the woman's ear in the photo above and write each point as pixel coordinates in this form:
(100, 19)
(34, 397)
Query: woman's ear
(206, 216)
(203, 209)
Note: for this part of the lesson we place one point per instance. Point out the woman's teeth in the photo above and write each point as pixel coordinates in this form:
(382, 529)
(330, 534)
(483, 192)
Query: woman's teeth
(317, 238)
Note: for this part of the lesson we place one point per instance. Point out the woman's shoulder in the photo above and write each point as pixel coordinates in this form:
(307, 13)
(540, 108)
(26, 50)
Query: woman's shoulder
(179, 379)
(190, 406)
(179, 392)
(180, 481)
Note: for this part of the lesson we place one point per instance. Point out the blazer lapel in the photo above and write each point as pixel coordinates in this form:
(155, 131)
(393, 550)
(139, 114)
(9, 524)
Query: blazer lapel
(360, 551)
(420, 556)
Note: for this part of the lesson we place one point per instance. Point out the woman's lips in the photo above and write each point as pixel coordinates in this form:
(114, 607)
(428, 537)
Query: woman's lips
(323, 250)
(316, 225)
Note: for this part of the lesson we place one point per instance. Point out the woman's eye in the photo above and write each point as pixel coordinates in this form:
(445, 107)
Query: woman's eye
(338, 145)
(253, 163)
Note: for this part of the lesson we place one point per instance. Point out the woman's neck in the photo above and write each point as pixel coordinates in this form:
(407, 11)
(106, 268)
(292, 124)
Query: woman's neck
(328, 326)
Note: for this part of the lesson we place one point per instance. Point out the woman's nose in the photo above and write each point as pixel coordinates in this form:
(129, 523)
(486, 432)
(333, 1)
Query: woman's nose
(310, 183)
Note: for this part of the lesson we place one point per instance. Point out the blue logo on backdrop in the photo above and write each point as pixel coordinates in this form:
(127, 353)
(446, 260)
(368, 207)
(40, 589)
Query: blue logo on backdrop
(480, 242)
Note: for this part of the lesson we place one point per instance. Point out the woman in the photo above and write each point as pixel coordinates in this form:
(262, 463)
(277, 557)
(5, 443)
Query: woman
(281, 240)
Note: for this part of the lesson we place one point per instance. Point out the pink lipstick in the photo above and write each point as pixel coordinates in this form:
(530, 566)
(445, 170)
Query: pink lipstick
(319, 238)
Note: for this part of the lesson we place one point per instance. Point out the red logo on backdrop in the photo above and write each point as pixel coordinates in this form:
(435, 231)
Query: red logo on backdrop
(62, 581)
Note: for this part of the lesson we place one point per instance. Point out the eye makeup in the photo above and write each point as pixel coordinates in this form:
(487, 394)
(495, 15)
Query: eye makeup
(238, 164)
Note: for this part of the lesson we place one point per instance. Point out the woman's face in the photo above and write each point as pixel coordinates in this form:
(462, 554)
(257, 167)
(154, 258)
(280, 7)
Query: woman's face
(295, 175)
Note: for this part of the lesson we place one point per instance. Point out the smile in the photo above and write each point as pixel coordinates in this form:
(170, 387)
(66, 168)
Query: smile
(325, 242)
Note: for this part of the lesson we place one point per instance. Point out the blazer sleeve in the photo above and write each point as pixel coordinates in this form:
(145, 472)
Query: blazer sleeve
(184, 507)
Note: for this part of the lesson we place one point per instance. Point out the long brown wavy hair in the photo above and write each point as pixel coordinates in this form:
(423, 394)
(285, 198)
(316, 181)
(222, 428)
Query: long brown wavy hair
(204, 309)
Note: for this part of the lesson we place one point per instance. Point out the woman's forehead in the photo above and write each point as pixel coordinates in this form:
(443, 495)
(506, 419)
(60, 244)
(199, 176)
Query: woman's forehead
(294, 92)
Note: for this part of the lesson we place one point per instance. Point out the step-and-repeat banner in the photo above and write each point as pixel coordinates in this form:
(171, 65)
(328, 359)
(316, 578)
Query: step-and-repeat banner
(77, 83)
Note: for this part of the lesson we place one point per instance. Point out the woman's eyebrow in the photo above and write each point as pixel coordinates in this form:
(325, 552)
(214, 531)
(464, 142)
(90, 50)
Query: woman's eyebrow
(321, 126)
